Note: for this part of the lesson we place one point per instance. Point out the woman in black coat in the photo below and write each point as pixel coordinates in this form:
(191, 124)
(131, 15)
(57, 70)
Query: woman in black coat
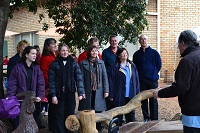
(64, 73)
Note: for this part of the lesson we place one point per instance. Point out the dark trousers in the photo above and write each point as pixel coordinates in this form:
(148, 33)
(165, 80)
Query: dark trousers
(130, 117)
(37, 115)
(45, 106)
(109, 104)
(151, 103)
(66, 106)
(191, 129)
(51, 113)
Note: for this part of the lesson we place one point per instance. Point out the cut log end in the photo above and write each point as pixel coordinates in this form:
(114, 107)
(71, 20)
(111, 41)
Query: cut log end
(87, 119)
(72, 123)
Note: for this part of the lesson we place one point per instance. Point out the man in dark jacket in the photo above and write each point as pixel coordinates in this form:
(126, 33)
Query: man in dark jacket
(186, 85)
(109, 54)
(109, 57)
(148, 63)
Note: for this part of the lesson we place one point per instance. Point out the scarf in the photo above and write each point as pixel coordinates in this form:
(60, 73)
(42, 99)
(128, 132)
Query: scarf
(67, 73)
(94, 74)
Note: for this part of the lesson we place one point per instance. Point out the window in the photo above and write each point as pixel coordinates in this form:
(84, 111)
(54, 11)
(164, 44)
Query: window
(5, 48)
(31, 37)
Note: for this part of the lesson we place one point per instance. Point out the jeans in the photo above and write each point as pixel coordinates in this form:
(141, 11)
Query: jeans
(150, 104)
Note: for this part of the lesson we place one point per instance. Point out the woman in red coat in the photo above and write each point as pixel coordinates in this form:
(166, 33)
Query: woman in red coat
(49, 54)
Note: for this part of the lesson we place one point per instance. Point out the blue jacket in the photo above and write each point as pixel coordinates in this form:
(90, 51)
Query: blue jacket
(117, 84)
(109, 59)
(148, 64)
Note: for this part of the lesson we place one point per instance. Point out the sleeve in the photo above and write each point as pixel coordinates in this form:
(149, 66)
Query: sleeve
(82, 57)
(52, 79)
(44, 66)
(104, 57)
(137, 80)
(182, 82)
(40, 84)
(158, 61)
(10, 67)
(79, 59)
(79, 79)
(12, 83)
(134, 59)
(105, 79)
(99, 55)
(111, 78)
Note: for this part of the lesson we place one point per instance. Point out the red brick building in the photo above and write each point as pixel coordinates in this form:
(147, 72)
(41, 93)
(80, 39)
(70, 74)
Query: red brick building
(167, 18)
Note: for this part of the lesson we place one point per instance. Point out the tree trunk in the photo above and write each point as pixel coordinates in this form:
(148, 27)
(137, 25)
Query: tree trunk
(4, 12)
(88, 119)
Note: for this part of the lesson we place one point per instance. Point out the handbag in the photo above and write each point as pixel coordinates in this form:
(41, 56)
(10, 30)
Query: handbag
(9, 108)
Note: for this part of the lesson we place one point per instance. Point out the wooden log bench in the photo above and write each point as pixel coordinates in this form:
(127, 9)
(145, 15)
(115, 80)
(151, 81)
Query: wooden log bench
(87, 119)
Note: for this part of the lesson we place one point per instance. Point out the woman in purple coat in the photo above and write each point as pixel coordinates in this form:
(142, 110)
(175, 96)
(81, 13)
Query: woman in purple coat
(26, 76)
(124, 83)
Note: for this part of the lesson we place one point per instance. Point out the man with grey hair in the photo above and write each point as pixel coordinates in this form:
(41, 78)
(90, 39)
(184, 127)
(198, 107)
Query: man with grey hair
(109, 57)
(186, 85)
(148, 63)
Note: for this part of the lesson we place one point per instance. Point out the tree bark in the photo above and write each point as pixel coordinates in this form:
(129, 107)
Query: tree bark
(88, 119)
(4, 13)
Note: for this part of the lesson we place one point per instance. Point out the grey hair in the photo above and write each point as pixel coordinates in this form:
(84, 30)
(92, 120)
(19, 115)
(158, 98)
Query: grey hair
(189, 38)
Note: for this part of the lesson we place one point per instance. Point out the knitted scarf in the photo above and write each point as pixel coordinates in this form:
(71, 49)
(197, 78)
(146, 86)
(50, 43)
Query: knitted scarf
(94, 74)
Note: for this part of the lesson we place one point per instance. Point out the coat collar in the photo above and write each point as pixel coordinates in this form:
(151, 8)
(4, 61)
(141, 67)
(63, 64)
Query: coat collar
(121, 70)
(141, 49)
(86, 64)
(21, 65)
(109, 48)
(188, 50)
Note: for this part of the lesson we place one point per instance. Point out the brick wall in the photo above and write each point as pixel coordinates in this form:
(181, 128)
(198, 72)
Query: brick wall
(175, 16)
(24, 21)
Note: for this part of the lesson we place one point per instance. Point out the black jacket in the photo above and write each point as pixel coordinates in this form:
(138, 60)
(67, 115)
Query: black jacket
(12, 62)
(57, 80)
(187, 83)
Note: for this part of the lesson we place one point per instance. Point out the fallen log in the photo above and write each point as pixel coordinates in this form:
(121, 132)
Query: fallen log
(88, 119)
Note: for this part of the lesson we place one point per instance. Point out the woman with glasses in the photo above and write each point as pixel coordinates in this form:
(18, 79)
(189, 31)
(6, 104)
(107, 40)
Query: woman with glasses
(124, 83)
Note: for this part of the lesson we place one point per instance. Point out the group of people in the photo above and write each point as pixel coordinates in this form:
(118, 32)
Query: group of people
(104, 81)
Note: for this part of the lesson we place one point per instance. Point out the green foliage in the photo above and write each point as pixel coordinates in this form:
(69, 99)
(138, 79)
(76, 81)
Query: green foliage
(31, 5)
(98, 18)
(80, 19)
